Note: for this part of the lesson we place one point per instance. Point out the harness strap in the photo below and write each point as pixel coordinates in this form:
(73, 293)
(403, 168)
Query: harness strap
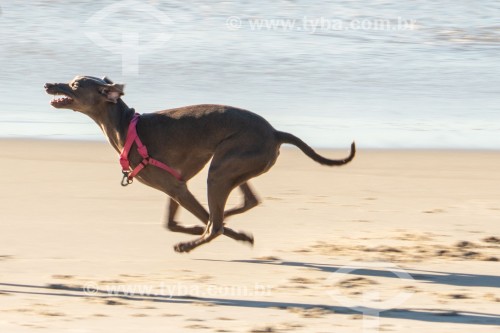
(128, 175)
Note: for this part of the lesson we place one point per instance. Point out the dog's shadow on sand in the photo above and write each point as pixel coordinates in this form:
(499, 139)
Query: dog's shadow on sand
(428, 315)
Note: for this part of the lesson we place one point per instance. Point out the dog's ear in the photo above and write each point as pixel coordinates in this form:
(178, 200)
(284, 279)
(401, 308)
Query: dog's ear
(113, 92)
(107, 80)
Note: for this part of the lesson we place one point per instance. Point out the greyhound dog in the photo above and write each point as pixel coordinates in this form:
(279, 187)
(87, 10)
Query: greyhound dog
(241, 144)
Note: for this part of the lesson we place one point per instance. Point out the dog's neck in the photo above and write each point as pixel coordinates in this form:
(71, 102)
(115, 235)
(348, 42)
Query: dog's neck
(114, 122)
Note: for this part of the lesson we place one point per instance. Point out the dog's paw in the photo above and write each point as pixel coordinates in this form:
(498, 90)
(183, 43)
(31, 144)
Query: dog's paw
(248, 238)
(182, 248)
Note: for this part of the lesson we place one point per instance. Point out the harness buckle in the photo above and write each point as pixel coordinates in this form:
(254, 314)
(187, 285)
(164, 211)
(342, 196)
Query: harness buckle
(126, 180)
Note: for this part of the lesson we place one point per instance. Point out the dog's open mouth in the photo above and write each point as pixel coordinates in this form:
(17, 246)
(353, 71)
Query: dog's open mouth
(60, 99)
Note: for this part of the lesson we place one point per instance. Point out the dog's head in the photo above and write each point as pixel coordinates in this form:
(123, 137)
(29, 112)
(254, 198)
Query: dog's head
(86, 94)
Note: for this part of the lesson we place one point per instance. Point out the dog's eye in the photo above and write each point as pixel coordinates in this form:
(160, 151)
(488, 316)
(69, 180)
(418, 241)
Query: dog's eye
(75, 85)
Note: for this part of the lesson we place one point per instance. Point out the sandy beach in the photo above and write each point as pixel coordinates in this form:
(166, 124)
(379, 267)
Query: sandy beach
(402, 241)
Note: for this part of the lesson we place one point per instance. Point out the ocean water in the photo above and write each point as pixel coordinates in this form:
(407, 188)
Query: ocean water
(388, 74)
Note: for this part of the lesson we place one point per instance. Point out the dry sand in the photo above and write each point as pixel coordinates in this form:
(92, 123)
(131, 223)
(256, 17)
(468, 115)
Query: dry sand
(79, 253)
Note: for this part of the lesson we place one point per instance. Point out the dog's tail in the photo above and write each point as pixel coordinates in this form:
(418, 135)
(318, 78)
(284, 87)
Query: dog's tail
(284, 137)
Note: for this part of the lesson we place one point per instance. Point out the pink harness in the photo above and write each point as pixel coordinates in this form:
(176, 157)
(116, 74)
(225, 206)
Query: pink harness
(128, 175)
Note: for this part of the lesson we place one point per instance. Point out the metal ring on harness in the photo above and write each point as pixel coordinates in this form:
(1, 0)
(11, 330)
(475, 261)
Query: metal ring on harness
(126, 180)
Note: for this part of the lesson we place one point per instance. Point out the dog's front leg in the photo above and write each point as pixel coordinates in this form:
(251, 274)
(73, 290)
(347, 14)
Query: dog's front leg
(174, 226)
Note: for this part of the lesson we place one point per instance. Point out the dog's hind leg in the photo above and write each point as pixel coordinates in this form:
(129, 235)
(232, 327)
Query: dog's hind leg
(250, 201)
(226, 172)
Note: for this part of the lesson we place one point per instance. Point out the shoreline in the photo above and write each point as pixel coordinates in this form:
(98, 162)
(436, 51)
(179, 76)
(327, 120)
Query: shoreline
(284, 146)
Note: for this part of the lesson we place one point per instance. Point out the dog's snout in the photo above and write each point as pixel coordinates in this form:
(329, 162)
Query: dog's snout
(48, 85)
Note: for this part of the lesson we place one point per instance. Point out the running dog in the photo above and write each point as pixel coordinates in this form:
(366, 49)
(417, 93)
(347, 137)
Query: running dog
(241, 144)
